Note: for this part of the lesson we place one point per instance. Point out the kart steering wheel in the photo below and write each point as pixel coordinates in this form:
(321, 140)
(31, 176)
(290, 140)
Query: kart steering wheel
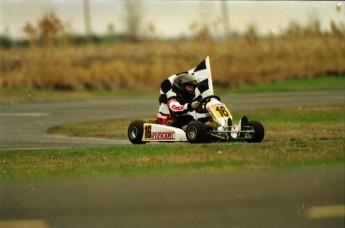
(204, 101)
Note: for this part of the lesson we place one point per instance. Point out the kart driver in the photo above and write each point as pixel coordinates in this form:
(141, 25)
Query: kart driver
(181, 105)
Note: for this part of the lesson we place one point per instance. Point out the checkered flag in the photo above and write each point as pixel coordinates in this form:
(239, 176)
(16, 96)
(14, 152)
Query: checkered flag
(202, 72)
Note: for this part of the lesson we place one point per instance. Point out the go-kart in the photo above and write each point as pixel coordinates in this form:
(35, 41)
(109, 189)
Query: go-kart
(220, 127)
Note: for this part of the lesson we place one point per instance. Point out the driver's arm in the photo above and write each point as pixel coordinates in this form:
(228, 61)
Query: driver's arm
(178, 108)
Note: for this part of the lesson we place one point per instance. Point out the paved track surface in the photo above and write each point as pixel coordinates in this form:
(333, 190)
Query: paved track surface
(261, 199)
(294, 198)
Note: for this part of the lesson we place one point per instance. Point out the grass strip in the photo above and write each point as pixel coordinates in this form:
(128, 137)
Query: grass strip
(307, 84)
(158, 159)
(9, 95)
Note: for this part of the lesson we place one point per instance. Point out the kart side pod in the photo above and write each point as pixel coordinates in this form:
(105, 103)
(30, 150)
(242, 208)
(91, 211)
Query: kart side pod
(157, 132)
(140, 132)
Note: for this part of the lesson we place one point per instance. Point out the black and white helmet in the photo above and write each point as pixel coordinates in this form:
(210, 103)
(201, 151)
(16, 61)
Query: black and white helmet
(180, 83)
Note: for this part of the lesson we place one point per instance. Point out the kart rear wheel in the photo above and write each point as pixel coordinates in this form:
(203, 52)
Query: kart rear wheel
(135, 132)
(196, 132)
(259, 132)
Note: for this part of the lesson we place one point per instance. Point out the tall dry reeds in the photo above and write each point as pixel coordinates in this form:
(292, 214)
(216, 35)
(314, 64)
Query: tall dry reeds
(299, 53)
(136, 65)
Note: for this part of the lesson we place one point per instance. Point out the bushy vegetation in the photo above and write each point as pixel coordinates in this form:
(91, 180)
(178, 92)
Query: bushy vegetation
(54, 61)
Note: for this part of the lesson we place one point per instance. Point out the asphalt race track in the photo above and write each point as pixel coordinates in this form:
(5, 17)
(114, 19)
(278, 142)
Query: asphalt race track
(290, 198)
(308, 198)
(24, 125)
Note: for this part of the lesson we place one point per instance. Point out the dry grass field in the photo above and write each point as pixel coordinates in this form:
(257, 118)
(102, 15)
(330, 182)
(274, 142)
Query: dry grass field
(145, 64)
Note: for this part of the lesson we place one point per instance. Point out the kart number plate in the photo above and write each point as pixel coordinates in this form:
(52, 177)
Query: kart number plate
(154, 133)
(221, 111)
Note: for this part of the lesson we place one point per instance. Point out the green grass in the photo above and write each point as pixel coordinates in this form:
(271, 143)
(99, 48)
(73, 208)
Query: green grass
(8, 95)
(309, 115)
(308, 84)
(161, 159)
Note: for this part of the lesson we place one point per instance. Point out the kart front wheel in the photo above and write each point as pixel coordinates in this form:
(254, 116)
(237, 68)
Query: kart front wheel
(196, 132)
(259, 132)
(135, 132)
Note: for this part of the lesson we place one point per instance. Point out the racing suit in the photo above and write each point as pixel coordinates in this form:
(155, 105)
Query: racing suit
(175, 111)
(181, 111)
(174, 108)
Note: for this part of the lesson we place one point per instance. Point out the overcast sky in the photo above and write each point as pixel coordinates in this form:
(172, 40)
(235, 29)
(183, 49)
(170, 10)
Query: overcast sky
(172, 18)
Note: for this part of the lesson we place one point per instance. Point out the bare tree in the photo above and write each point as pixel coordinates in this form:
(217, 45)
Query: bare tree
(225, 13)
(87, 19)
(133, 19)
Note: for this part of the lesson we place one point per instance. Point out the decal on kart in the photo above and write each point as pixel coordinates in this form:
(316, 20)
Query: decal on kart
(219, 111)
(156, 135)
(162, 135)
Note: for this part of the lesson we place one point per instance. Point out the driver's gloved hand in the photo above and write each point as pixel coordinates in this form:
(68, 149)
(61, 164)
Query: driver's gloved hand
(195, 104)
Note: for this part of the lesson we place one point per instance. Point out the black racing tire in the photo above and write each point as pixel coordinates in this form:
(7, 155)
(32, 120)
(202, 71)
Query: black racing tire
(135, 132)
(196, 132)
(259, 132)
